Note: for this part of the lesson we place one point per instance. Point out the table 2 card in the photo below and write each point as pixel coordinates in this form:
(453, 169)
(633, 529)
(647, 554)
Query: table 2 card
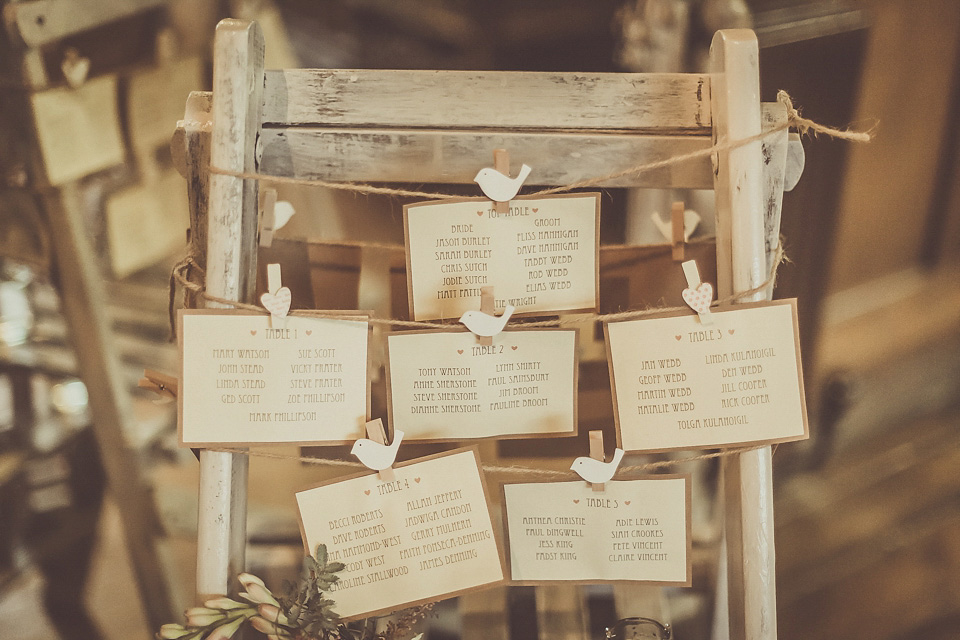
(680, 384)
(635, 530)
(424, 536)
(245, 380)
(445, 386)
(540, 256)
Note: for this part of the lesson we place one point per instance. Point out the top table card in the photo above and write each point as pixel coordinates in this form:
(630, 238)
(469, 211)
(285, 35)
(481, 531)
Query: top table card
(679, 384)
(540, 257)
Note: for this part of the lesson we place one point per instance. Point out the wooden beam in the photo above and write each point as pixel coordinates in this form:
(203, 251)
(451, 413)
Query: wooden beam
(40, 22)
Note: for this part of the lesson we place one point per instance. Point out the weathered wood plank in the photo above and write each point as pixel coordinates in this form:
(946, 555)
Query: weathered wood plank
(410, 155)
(468, 99)
(155, 99)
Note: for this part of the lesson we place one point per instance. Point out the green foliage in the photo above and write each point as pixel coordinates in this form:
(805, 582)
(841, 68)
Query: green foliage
(304, 603)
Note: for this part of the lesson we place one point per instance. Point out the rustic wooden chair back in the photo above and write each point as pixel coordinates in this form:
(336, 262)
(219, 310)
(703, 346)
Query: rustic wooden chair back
(439, 127)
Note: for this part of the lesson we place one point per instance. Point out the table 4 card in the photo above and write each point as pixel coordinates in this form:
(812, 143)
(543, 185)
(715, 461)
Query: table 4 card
(423, 536)
(681, 384)
(247, 379)
(540, 256)
(633, 530)
(443, 385)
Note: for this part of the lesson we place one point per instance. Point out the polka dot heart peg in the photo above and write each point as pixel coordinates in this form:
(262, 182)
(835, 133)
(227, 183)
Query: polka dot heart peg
(698, 294)
(277, 299)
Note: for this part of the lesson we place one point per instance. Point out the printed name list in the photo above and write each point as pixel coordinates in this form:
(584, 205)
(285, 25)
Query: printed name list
(244, 381)
(540, 256)
(443, 385)
(681, 384)
(633, 530)
(423, 536)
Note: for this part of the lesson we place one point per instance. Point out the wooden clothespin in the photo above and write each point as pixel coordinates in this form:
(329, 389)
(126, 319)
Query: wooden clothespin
(501, 162)
(487, 307)
(378, 434)
(698, 294)
(160, 383)
(678, 236)
(277, 298)
(594, 469)
(268, 204)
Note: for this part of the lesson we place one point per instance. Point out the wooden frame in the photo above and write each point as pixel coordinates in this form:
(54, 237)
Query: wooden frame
(439, 127)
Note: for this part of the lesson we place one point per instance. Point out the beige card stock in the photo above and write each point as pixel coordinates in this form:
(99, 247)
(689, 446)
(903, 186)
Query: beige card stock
(426, 535)
(634, 530)
(679, 384)
(445, 386)
(243, 381)
(539, 257)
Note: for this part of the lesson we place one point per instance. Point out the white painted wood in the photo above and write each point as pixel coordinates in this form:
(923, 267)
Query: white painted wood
(476, 99)
(775, 149)
(41, 22)
(361, 155)
(230, 273)
(741, 261)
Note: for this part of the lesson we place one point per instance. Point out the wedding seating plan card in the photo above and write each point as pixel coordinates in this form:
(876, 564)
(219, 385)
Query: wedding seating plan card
(424, 536)
(301, 380)
(679, 384)
(636, 530)
(445, 386)
(540, 256)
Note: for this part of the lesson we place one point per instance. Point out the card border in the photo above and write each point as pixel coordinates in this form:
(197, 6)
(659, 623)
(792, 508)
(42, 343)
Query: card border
(511, 436)
(360, 316)
(791, 302)
(498, 535)
(688, 511)
(545, 312)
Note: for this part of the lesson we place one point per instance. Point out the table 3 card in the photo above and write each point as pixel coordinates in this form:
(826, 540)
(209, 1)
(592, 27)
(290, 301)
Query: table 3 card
(247, 379)
(682, 384)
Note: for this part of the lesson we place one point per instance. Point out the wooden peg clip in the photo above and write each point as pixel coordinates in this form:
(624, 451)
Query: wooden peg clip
(501, 162)
(698, 294)
(378, 434)
(268, 219)
(596, 452)
(487, 307)
(678, 233)
(277, 298)
(160, 383)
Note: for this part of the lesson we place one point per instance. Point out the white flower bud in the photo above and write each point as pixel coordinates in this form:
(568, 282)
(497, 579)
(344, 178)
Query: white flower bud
(172, 631)
(256, 591)
(226, 631)
(273, 614)
(224, 603)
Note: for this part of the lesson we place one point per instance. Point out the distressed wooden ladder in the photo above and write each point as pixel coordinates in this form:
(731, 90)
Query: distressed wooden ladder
(439, 127)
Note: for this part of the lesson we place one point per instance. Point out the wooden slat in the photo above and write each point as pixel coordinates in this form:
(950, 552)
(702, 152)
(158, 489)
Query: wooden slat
(478, 99)
(349, 155)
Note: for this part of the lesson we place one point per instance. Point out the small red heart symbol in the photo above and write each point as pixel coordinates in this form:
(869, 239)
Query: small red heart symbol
(576, 502)
(626, 502)
(730, 331)
(535, 209)
(309, 332)
(678, 338)
(367, 491)
(514, 347)
(460, 351)
(417, 480)
(253, 332)
(479, 213)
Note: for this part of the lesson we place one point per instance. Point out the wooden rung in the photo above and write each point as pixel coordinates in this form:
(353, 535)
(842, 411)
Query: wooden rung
(475, 99)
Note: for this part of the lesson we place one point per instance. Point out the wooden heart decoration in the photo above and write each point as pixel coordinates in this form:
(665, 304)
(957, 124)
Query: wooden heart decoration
(700, 298)
(75, 67)
(278, 304)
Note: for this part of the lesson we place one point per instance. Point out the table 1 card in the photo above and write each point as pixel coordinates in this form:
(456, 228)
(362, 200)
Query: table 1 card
(424, 536)
(445, 386)
(680, 384)
(541, 256)
(243, 380)
(636, 530)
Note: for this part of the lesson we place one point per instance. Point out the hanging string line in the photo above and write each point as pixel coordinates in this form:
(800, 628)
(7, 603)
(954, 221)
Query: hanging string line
(794, 119)
(509, 470)
(181, 274)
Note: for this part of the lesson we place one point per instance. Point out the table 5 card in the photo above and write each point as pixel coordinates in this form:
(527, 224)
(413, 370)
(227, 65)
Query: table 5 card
(425, 535)
(541, 256)
(682, 384)
(446, 386)
(633, 530)
(248, 379)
